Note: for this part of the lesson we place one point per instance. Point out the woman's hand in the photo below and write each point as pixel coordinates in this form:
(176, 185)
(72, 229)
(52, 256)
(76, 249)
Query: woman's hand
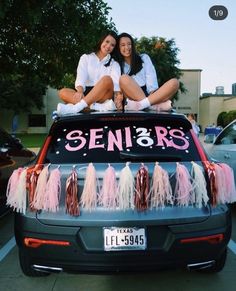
(78, 96)
(118, 100)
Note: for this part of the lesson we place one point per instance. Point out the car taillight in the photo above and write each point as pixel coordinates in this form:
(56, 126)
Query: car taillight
(212, 239)
(35, 242)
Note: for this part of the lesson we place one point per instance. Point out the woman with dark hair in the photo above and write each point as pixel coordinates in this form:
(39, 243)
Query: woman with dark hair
(97, 79)
(138, 81)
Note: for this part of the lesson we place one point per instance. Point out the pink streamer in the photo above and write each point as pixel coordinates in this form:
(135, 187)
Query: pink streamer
(53, 191)
(89, 194)
(183, 188)
(108, 195)
(161, 191)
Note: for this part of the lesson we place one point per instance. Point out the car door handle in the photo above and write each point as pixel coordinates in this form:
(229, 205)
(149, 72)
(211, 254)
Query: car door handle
(227, 156)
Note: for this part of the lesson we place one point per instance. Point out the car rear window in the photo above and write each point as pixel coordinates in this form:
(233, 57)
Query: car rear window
(117, 139)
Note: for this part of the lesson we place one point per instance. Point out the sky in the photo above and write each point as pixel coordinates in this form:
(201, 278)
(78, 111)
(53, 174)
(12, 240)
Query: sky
(204, 43)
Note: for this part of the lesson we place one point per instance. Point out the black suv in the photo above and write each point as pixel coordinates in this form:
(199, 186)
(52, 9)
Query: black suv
(123, 215)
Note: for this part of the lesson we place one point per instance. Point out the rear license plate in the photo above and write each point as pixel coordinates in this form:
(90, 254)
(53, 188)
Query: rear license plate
(124, 238)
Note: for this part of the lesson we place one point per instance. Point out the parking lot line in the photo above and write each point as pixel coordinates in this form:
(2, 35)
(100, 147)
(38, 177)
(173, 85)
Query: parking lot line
(232, 246)
(7, 248)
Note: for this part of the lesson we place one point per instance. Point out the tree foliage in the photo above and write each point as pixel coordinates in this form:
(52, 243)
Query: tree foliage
(40, 44)
(164, 57)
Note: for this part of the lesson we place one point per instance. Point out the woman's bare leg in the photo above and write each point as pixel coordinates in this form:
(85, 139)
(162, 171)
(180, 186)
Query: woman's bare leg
(160, 96)
(165, 92)
(101, 92)
(130, 88)
(68, 95)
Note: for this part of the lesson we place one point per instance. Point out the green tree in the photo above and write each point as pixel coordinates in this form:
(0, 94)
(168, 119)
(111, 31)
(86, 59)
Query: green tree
(164, 57)
(41, 42)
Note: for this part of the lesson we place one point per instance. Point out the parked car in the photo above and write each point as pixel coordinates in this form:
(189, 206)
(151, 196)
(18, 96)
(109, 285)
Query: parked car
(223, 148)
(12, 156)
(133, 231)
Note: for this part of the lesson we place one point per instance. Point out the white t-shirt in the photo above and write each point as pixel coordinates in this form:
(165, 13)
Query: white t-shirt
(90, 70)
(146, 76)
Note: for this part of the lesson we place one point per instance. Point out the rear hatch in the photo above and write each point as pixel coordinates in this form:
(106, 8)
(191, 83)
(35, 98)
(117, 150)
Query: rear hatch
(114, 139)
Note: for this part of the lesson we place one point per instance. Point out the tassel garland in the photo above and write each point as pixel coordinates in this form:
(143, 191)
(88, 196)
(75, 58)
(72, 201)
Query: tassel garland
(129, 192)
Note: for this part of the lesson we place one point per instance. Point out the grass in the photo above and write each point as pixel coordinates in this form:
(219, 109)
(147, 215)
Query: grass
(33, 140)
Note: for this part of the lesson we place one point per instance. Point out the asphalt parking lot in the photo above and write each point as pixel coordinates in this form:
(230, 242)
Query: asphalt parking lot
(11, 277)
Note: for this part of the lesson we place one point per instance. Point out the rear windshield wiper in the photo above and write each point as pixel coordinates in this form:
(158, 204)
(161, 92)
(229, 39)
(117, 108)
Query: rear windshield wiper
(134, 156)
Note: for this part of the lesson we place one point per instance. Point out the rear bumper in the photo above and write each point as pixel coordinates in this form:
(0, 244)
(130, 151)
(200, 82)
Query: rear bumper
(85, 253)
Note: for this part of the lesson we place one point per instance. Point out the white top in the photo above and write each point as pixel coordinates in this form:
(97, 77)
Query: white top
(146, 76)
(90, 70)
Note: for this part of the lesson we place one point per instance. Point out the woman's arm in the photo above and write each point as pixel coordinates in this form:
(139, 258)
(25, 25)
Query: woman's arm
(150, 74)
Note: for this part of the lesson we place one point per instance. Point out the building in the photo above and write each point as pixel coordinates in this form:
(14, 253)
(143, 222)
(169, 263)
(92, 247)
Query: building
(189, 102)
(211, 105)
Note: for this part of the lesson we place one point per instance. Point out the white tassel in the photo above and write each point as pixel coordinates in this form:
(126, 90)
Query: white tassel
(40, 190)
(161, 191)
(199, 186)
(53, 191)
(89, 195)
(126, 188)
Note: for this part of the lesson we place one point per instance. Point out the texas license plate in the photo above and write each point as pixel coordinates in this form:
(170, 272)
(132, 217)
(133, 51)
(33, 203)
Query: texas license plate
(124, 238)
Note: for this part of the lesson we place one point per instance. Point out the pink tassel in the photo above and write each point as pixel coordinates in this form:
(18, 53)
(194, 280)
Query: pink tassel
(89, 194)
(108, 194)
(183, 187)
(12, 186)
(220, 185)
(53, 191)
(142, 189)
(199, 186)
(125, 189)
(72, 202)
(230, 189)
(161, 191)
(40, 190)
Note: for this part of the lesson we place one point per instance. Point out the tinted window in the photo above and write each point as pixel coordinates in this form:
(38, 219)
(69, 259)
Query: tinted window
(117, 139)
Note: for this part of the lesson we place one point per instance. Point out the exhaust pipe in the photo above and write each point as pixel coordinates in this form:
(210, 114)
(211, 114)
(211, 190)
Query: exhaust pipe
(47, 269)
(199, 266)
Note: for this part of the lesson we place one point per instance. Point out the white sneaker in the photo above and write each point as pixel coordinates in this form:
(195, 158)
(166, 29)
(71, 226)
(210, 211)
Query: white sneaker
(108, 105)
(66, 109)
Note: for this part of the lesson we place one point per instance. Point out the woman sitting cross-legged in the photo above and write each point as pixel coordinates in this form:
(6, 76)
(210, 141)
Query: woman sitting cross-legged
(97, 78)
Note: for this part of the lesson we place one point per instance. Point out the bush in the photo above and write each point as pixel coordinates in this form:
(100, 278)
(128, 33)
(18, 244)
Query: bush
(224, 118)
